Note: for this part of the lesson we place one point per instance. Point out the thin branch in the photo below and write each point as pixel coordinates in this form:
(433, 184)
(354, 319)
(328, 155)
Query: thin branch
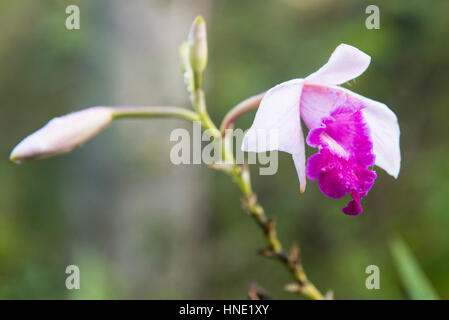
(243, 107)
(161, 112)
(275, 250)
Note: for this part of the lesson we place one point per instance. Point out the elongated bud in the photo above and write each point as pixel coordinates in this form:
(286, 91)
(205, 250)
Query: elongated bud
(198, 45)
(62, 134)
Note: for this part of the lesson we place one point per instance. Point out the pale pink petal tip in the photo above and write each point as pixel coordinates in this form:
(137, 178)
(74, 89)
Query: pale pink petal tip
(346, 63)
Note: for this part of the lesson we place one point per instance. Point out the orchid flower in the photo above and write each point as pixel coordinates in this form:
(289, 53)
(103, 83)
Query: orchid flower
(351, 132)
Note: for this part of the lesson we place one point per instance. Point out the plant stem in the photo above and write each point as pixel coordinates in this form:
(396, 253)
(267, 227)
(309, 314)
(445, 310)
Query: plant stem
(274, 250)
(163, 112)
(199, 103)
(243, 107)
(241, 176)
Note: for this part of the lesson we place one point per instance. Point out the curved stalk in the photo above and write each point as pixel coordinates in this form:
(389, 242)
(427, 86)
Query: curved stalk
(243, 107)
(144, 112)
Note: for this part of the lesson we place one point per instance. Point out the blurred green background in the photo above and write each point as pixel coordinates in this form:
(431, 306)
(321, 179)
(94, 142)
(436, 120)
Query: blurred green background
(140, 227)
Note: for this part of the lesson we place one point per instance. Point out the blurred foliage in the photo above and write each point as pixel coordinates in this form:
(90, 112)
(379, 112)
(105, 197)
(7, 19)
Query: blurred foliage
(47, 71)
(412, 276)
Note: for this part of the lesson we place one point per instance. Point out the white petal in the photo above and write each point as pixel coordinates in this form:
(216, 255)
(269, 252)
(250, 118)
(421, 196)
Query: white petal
(384, 129)
(385, 133)
(277, 125)
(345, 63)
(62, 134)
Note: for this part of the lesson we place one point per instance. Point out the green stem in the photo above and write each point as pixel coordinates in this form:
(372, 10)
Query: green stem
(241, 176)
(161, 112)
(274, 250)
(199, 104)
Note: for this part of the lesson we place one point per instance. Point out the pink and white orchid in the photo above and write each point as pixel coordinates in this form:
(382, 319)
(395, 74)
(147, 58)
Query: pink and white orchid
(351, 132)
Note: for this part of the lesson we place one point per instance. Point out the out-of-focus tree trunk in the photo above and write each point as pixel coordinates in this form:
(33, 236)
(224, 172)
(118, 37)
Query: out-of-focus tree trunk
(154, 211)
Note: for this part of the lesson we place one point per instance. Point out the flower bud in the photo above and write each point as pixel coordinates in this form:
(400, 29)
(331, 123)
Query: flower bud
(62, 134)
(198, 45)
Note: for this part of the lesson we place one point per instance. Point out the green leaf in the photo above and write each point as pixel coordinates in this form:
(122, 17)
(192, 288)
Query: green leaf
(413, 278)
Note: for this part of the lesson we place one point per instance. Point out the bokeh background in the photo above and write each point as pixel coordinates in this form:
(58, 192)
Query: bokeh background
(141, 227)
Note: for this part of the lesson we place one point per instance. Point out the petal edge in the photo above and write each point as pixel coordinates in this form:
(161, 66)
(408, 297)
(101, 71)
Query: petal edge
(345, 63)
